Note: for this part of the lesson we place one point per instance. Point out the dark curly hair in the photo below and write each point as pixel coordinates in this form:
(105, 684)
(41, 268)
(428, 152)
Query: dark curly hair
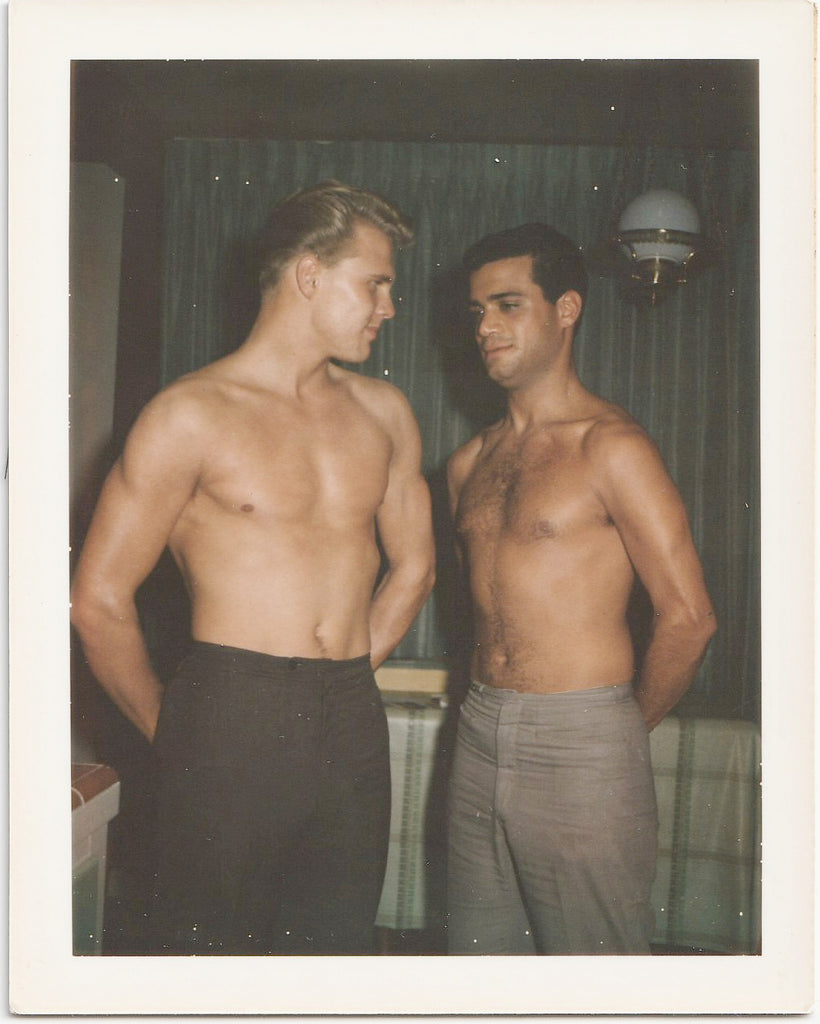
(557, 263)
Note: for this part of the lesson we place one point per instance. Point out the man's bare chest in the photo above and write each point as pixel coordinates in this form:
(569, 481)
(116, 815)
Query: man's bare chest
(545, 494)
(296, 468)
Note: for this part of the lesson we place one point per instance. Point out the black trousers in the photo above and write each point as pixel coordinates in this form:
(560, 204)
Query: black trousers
(274, 805)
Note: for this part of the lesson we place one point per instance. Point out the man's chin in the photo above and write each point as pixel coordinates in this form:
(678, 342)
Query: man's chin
(496, 375)
(356, 358)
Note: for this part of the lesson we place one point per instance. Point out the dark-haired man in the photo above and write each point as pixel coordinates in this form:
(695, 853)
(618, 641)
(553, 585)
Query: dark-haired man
(269, 474)
(557, 507)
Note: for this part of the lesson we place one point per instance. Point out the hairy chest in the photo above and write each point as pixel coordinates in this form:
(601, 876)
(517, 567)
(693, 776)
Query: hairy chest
(540, 493)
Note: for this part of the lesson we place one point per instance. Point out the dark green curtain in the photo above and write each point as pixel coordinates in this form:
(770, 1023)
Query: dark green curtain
(687, 368)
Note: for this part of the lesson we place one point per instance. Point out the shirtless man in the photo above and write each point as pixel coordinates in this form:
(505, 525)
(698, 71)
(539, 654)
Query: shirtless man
(557, 507)
(269, 475)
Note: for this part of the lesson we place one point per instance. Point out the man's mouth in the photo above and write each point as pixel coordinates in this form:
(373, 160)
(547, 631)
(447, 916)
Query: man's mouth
(490, 350)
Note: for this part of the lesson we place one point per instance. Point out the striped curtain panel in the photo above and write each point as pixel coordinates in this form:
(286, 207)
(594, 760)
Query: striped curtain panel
(687, 368)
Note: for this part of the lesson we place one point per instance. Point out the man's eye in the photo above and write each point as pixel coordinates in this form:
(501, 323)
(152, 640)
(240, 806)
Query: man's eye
(506, 307)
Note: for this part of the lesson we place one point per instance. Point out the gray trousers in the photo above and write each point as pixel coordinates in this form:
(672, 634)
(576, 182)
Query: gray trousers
(552, 824)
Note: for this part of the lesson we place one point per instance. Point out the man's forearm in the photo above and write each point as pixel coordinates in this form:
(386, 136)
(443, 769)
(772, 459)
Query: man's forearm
(398, 600)
(670, 665)
(117, 655)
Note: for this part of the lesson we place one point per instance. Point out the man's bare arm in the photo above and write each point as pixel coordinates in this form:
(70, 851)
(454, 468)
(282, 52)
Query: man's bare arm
(139, 504)
(650, 516)
(459, 466)
(405, 527)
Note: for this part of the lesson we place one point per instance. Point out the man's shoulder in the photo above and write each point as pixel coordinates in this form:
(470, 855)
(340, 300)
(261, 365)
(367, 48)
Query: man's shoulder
(466, 452)
(614, 437)
(380, 398)
(461, 461)
(185, 405)
(363, 385)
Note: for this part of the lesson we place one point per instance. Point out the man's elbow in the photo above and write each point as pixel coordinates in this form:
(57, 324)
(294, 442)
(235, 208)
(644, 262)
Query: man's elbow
(427, 578)
(701, 625)
(414, 576)
(421, 575)
(90, 610)
(705, 619)
(84, 612)
(693, 625)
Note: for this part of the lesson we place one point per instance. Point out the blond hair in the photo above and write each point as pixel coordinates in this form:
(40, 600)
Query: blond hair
(322, 219)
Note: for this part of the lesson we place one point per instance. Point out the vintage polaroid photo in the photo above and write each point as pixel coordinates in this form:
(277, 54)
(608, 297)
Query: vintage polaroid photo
(147, 144)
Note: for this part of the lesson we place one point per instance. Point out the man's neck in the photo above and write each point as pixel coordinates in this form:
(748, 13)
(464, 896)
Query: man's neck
(554, 397)
(280, 353)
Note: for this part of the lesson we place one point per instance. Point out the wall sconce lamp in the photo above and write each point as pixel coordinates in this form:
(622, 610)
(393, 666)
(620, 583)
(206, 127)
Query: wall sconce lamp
(657, 245)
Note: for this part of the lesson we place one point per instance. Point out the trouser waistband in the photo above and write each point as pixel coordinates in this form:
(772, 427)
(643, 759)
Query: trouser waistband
(594, 694)
(241, 660)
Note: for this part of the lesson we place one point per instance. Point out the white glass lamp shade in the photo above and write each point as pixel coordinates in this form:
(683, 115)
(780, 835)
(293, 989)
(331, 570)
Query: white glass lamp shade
(661, 215)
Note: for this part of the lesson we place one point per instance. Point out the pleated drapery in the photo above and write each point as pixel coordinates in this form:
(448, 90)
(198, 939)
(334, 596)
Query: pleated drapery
(687, 369)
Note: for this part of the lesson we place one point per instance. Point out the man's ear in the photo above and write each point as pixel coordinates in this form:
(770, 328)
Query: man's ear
(569, 306)
(308, 268)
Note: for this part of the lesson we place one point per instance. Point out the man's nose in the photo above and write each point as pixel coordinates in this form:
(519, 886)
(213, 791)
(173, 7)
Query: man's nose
(386, 308)
(485, 325)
